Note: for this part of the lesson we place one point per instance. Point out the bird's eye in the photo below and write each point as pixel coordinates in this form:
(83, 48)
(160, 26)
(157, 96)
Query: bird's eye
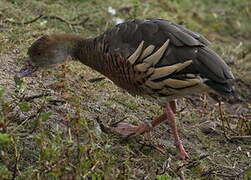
(38, 53)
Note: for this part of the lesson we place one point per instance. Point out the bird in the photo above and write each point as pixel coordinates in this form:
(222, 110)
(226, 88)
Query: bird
(153, 58)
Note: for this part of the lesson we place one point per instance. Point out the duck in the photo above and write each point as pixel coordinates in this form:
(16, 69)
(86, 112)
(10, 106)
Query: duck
(153, 58)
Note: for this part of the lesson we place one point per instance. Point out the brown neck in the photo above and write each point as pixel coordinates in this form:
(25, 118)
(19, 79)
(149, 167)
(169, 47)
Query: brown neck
(87, 52)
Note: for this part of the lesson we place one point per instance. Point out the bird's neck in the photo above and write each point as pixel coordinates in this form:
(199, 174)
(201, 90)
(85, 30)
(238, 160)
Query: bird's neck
(85, 51)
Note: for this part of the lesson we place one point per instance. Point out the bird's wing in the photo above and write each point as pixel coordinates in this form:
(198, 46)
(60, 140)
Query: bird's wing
(172, 52)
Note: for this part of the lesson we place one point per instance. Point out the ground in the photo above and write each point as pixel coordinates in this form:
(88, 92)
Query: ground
(53, 124)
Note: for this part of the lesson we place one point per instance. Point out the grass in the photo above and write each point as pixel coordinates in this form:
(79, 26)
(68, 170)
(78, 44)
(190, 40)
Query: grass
(48, 123)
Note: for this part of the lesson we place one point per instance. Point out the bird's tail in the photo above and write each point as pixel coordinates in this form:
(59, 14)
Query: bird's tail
(215, 71)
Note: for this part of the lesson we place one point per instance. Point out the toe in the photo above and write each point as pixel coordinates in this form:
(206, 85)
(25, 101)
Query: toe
(124, 129)
(142, 128)
(183, 155)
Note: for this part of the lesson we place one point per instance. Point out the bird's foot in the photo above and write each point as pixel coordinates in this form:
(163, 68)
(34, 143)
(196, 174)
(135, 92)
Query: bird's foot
(182, 154)
(127, 130)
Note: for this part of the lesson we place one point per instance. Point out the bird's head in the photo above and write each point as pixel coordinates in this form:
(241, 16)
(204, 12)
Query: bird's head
(46, 52)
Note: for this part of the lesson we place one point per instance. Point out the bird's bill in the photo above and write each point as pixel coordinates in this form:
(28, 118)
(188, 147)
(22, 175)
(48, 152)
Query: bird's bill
(27, 69)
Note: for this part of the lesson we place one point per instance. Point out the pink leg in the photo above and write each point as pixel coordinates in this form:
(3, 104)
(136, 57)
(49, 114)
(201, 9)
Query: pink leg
(127, 130)
(170, 110)
(173, 106)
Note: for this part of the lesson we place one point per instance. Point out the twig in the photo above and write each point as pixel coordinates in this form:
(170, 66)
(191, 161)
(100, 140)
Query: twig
(156, 147)
(192, 163)
(65, 21)
(226, 175)
(92, 80)
(55, 101)
(48, 17)
(92, 169)
(222, 121)
(24, 23)
(29, 98)
(240, 138)
(117, 122)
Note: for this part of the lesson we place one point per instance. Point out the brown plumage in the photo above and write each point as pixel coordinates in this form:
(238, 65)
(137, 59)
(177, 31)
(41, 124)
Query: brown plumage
(154, 58)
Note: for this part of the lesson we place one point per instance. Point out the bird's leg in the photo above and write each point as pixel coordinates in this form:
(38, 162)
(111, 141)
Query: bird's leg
(170, 110)
(173, 106)
(127, 130)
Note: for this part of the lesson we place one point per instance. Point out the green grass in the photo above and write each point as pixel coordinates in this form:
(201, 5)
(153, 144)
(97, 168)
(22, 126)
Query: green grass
(57, 136)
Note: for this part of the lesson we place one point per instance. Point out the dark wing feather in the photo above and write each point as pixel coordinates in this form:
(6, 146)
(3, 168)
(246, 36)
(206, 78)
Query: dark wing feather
(185, 36)
(193, 34)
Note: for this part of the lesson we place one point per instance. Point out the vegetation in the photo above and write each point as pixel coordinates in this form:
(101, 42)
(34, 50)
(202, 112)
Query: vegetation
(52, 124)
